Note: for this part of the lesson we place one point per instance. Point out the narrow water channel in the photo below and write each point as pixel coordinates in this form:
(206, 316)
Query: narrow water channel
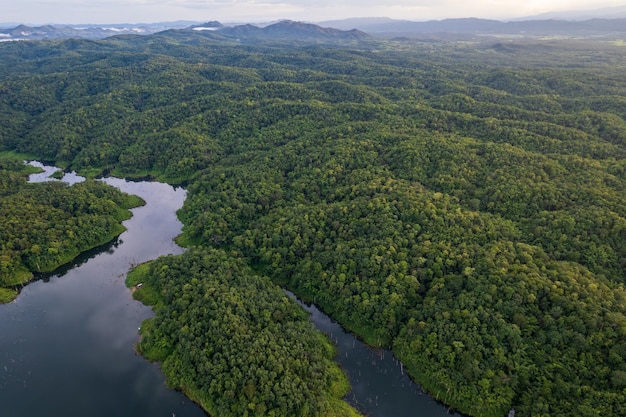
(66, 342)
(380, 387)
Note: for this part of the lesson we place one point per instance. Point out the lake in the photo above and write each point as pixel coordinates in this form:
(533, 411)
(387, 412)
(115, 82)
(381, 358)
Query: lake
(66, 344)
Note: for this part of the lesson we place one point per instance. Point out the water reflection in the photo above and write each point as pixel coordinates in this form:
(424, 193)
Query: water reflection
(66, 345)
(79, 260)
(380, 387)
(48, 170)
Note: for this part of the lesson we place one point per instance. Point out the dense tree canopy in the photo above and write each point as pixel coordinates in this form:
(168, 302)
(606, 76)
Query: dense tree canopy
(234, 341)
(462, 203)
(45, 225)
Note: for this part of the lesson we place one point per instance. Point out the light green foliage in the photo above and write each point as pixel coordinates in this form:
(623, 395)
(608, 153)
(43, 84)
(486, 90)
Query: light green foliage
(7, 295)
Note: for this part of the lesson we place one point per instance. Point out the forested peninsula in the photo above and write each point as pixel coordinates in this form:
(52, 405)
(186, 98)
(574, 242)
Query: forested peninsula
(234, 342)
(463, 203)
(46, 225)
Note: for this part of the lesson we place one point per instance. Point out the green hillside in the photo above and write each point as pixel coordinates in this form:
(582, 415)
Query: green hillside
(46, 225)
(462, 203)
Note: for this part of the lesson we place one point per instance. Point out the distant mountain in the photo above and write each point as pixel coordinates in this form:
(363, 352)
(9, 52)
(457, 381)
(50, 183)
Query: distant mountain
(618, 12)
(24, 32)
(290, 30)
(213, 25)
(386, 25)
(347, 30)
(473, 26)
(285, 30)
(4, 25)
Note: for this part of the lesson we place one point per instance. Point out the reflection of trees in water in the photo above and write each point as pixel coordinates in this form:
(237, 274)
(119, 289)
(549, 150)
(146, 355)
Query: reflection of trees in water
(78, 261)
(84, 329)
(380, 384)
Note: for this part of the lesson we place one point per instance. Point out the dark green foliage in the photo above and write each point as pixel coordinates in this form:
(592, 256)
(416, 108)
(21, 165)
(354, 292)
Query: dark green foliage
(234, 341)
(45, 225)
(463, 204)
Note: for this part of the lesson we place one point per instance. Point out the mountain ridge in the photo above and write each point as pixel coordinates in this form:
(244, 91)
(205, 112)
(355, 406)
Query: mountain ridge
(353, 29)
(477, 26)
(294, 30)
(617, 12)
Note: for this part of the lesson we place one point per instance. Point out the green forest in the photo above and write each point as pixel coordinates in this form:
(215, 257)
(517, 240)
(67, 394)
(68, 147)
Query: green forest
(45, 225)
(463, 203)
(234, 342)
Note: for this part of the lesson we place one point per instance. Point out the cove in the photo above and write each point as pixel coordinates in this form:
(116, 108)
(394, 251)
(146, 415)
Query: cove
(380, 387)
(66, 342)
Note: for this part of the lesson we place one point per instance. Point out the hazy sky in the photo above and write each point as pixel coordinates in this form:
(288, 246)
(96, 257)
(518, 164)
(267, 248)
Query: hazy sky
(146, 11)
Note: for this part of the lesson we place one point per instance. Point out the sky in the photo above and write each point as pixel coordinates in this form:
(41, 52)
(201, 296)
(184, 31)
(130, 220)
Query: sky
(150, 11)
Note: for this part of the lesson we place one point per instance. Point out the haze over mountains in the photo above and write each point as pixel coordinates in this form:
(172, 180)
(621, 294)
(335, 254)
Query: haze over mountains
(607, 22)
(604, 13)
(475, 26)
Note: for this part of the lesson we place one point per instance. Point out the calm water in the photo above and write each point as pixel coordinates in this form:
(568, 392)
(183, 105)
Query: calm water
(68, 177)
(380, 387)
(66, 343)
